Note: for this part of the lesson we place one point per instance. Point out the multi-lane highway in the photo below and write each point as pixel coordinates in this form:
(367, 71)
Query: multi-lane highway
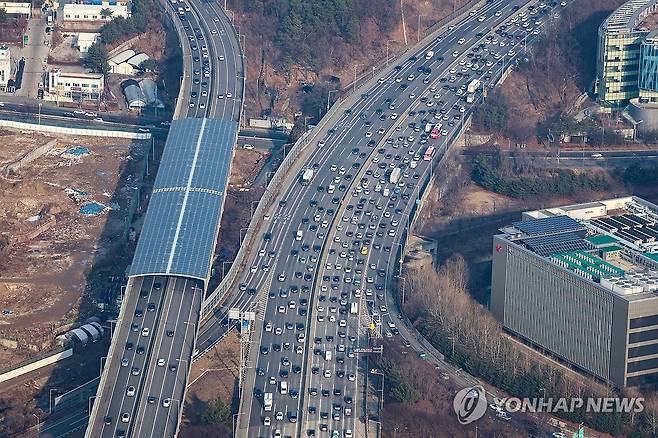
(329, 252)
(214, 80)
(143, 385)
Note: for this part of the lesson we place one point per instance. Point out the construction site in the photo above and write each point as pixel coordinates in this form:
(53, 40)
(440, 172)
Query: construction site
(63, 210)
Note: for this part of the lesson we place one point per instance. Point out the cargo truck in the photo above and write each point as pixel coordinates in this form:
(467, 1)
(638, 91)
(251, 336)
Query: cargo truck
(428, 127)
(473, 86)
(307, 176)
(395, 176)
(354, 308)
(267, 401)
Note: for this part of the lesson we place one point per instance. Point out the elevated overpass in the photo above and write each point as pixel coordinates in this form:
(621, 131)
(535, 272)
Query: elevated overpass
(142, 387)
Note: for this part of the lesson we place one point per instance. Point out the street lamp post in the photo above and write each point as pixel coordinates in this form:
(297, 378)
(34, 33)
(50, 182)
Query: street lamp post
(38, 425)
(452, 339)
(381, 400)
(404, 281)
(387, 41)
(242, 229)
(50, 399)
(329, 98)
(252, 206)
(418, 29)
(93, 397)
(223, 264)
(354, 83)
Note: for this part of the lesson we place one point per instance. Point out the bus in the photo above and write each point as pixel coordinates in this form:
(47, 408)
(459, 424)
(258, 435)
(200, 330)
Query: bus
(428, 153)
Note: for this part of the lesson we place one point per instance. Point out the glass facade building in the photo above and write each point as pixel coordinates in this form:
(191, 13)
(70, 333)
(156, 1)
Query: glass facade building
(621, 39)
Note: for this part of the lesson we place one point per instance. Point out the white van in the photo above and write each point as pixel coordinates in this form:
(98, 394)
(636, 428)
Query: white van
(283, 387)
(327, 355)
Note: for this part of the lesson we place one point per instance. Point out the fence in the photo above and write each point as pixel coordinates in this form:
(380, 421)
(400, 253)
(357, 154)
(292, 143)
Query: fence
(33, 127)
(76, 396)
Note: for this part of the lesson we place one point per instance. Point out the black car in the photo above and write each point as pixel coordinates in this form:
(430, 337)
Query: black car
(107, 419)
(140, 350)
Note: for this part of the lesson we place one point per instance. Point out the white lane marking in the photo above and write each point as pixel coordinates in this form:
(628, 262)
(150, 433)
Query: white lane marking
(187, 193)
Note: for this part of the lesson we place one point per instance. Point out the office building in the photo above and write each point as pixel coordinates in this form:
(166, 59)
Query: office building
(105, 11)
(77, 87)
(5, 67)
(580, 283)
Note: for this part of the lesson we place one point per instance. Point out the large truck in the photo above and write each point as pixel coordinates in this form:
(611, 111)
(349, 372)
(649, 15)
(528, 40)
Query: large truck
(473, 86)
(395, 176)
(307, 176)
(354, 308)
(267, 401)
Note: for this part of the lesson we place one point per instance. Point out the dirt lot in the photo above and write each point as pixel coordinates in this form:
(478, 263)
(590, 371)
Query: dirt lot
(52, 245)
(238, 207)
(213, 376)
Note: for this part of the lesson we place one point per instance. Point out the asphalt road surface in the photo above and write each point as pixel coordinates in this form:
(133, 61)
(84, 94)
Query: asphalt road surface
(351, 218)
(143, 384)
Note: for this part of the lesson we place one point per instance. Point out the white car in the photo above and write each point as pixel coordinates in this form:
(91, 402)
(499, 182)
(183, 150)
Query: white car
(130, 391)
(229, 95)
(461, 40)
(125, 417)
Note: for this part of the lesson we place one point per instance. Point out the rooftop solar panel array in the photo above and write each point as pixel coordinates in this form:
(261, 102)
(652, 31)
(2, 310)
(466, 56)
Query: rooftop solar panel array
(184, 211)
(545, 246)
(549, 225)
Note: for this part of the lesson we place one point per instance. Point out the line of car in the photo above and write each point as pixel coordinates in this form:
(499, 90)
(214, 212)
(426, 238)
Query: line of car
(344, 249)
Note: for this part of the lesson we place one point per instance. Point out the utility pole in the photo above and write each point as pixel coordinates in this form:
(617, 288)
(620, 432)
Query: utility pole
(404, 28)
(418, 28)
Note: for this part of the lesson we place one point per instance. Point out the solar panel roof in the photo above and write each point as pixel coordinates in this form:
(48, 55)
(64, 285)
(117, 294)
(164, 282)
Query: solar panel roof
(549, 225)
(545, 246)
(184, 211)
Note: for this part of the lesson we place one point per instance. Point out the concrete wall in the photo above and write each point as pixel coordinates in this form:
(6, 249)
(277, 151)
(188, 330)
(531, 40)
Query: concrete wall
(35, 365)
(35, 153)
(74, 131)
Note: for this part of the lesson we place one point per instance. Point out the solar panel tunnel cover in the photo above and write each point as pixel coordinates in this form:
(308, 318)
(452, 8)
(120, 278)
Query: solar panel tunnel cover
(184, 210)
(548, 225)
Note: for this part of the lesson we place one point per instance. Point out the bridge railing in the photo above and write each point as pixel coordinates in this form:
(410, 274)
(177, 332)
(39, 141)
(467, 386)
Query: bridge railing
(265, 203)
